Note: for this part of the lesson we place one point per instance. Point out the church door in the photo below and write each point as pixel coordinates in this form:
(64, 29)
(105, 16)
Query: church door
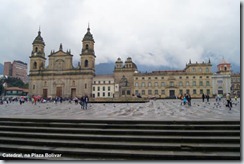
(73, 93)
(59, 91)
(44, 93)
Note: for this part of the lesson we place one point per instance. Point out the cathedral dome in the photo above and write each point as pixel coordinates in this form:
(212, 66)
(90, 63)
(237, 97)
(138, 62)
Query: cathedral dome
(88, 36)
(38, 39)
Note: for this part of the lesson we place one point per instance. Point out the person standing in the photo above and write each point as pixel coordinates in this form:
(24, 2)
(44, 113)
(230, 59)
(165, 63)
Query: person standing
(86, 102)
(207, 97)
(203, 97)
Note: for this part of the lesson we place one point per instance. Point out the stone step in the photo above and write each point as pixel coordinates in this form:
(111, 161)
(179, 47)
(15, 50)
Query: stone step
(225, 132)
(120, 122)
(121, 145)
(121, 139)
(129, 138)
(131, 125)
(80, 153)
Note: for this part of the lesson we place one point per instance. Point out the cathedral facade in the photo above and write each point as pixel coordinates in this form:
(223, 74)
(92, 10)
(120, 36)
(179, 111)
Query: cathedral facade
(60, 78)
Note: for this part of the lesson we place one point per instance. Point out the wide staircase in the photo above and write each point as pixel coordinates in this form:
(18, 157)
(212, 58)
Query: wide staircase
(56, 139)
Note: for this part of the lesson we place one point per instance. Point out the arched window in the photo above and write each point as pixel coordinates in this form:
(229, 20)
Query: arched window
(34, 65)
(87, 46)
(36, 49)
(86, 63)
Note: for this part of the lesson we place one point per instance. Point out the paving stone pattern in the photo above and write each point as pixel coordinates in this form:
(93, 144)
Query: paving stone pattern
(167, 109)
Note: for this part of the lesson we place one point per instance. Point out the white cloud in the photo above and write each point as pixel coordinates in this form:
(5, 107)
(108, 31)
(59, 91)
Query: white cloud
(153, 32)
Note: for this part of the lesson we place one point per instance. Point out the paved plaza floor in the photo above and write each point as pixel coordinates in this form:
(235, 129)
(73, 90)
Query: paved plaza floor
(167, 109)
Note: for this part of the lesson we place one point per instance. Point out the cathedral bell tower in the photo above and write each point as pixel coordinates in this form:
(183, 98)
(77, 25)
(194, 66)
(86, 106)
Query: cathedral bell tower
(88, 54)
(37, 58)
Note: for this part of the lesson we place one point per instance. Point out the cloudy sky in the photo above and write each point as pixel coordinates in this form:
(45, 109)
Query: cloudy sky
(152, 32)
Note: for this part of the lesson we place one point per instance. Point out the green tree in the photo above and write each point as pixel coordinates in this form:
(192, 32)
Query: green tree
(14, 82)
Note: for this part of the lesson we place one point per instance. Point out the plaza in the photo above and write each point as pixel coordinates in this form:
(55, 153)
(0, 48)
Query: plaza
(162, 109)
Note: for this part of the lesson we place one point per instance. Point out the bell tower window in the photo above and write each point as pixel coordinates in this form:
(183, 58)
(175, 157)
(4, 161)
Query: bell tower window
(87, 46)
(36, 49)
(86, 63)
(34, 65)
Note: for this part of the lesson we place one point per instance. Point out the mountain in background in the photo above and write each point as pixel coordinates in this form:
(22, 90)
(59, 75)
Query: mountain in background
(1, 69)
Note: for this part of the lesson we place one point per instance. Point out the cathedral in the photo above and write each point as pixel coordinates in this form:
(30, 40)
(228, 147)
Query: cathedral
(60, 78)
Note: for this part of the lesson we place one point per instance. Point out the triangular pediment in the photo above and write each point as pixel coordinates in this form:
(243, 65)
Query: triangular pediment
(59, 54)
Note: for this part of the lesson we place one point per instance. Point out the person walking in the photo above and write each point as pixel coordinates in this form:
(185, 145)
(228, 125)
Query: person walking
(228, 99)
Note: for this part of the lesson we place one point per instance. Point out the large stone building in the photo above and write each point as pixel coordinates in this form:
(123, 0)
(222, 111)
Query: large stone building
(16, 69)
(60, 78)
(195, 80)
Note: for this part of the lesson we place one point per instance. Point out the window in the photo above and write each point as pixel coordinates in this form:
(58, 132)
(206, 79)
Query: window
(156, 92)
(98, 94)
(86, 63)
(36, 49)
(171, 84)
(136, 84)
(187, 83)
(201, 83)
(187, 77)
(143, 84)
(187, 91)
(193, 83)
(163, 84)
(93, 88)
(142, 78)
(207, 83)
(162, 77)
(181, 91)
(34, 65)
(180, 83)
(200, 77)
(98, 88)
(180, 77)
(193, 70)
(85, 86)
(103, 94)
(201, 91)
(208, 91)
(149, 78)
(108, 88)
(162, 92)
(143, 92)
(200, 69)
(156, 84)
(87, 46)
(128, 92)
(109, 94)
(194, 91)
(149, 84)
(33, 87)
(109, 82)
(103, 88)
(156, 78)
(104, 82)
(207, 70)
(149, 92)
(194, 77)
